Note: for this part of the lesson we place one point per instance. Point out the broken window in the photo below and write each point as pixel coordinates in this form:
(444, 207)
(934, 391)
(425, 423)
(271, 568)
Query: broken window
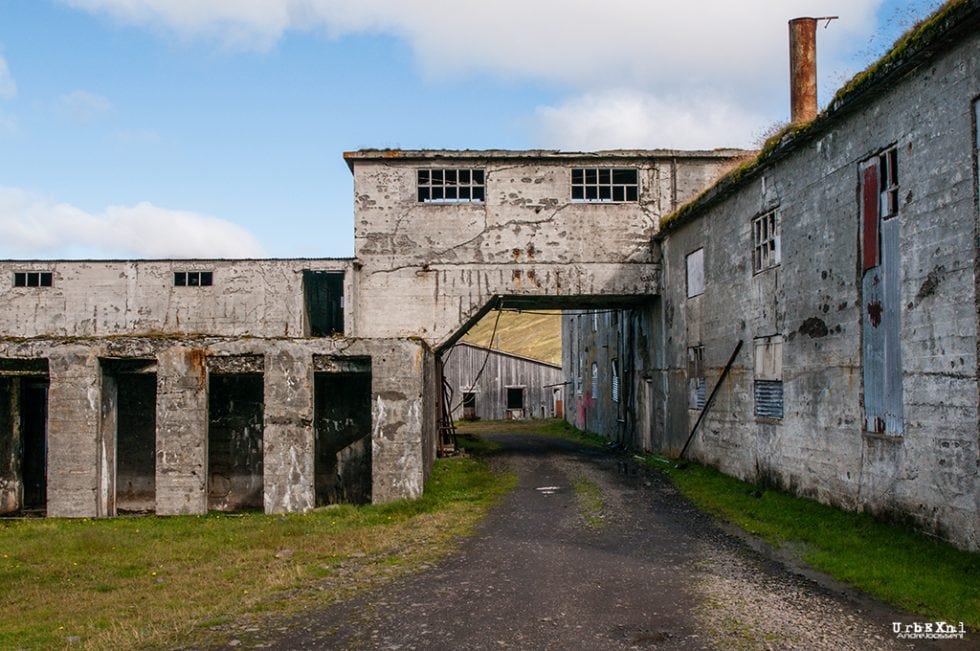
(324, 295)
(193, 278)
(881, 294)
(765, 241)
(603, 184)
(450, 186)
(695, 377)
(695, 273)
(614, 377)
(768, 358)
(32, 279)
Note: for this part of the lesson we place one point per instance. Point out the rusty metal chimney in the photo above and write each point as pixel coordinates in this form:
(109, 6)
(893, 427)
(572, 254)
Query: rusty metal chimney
(803, 69)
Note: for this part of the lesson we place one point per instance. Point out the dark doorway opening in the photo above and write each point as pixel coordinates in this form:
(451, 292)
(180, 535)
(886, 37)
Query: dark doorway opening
(342, 416)
(136, 443)
(235, 425)
(324, 294)
(23, 436)
(34, 443)
(128, 431)
(469, 405)
(515, 402)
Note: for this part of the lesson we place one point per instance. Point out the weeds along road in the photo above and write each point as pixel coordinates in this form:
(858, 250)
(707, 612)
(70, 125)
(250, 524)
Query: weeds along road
(592, 552)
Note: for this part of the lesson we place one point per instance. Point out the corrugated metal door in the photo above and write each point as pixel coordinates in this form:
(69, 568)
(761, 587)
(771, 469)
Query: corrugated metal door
(881, 300)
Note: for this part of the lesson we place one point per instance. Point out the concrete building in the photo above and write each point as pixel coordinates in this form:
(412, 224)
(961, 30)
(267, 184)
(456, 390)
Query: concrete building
(495, 384)
(844, 261)
(179, 386)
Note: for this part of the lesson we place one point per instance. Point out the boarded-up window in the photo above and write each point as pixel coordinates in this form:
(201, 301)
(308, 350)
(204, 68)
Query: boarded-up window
(324, 294)
(881, 294)
(695, 273)
(695, 377)
(768, 362)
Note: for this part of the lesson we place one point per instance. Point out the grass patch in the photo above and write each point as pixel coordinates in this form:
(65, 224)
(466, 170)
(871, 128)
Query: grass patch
(589, 497)
(554, 427)
(153, 582)
(893, 563)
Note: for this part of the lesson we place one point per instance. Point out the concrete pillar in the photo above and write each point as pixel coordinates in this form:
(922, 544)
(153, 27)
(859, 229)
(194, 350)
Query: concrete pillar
(73, 434)
(287, 437)
(398, 421)
(182, 432)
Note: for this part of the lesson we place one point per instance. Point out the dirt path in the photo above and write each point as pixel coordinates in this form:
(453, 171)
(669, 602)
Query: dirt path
(591, 552)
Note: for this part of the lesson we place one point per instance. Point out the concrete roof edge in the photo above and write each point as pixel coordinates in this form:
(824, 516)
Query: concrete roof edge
(352, 157)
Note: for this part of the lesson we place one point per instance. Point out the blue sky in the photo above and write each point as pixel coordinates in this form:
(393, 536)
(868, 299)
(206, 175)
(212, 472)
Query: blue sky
(182, 128)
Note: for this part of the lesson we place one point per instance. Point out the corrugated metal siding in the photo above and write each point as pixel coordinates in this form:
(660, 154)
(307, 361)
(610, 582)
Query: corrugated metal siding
(769, 398)
(502, 371)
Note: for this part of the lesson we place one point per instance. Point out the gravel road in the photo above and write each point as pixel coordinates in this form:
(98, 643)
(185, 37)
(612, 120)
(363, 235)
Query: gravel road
(592, 552)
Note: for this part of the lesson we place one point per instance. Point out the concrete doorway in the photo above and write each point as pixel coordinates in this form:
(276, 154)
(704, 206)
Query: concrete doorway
(23, 436)
(235, 452)
(342, 431)
(129, 396)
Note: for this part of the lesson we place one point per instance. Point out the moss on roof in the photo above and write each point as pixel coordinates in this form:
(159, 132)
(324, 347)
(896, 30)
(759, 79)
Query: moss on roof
(918, 40)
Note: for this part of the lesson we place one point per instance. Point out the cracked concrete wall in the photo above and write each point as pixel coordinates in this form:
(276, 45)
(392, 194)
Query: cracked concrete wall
(80, 478)
(261, 298)
(428, 268)
(927, 475)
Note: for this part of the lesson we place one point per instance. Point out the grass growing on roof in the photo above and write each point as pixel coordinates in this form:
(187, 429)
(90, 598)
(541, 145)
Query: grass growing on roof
(153, 582)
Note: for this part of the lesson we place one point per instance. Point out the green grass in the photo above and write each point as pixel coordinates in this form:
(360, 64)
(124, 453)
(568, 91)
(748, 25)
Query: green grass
(152, 582)
(893, 563)
(589, 497)
(536, 335)
(554, 427)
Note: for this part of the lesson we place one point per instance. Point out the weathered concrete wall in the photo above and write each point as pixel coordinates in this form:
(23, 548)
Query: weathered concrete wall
(928, 473)
(612, 338)
(462, 365)
(80, 448)
(262, 298)
(428, 268)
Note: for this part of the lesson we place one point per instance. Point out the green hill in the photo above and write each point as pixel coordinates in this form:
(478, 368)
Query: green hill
(532, 334)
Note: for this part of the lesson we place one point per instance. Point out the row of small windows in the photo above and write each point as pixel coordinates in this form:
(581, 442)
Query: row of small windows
(181, 278)
(589, 185)
(32, 279)
(193, 278)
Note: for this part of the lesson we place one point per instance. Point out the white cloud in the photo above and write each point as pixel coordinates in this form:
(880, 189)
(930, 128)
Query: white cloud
(83, 105)
(32, 226)
(624, 119)
(8, 87)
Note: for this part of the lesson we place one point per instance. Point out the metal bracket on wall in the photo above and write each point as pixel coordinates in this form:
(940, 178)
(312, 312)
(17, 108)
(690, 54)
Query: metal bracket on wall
(711, 398)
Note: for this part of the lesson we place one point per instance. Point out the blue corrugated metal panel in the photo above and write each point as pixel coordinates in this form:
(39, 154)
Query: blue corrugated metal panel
(873, 350)
(892, 325)
(769, 398)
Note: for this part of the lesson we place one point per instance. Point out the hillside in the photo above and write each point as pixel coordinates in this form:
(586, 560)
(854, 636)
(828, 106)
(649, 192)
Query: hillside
(531, 334)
